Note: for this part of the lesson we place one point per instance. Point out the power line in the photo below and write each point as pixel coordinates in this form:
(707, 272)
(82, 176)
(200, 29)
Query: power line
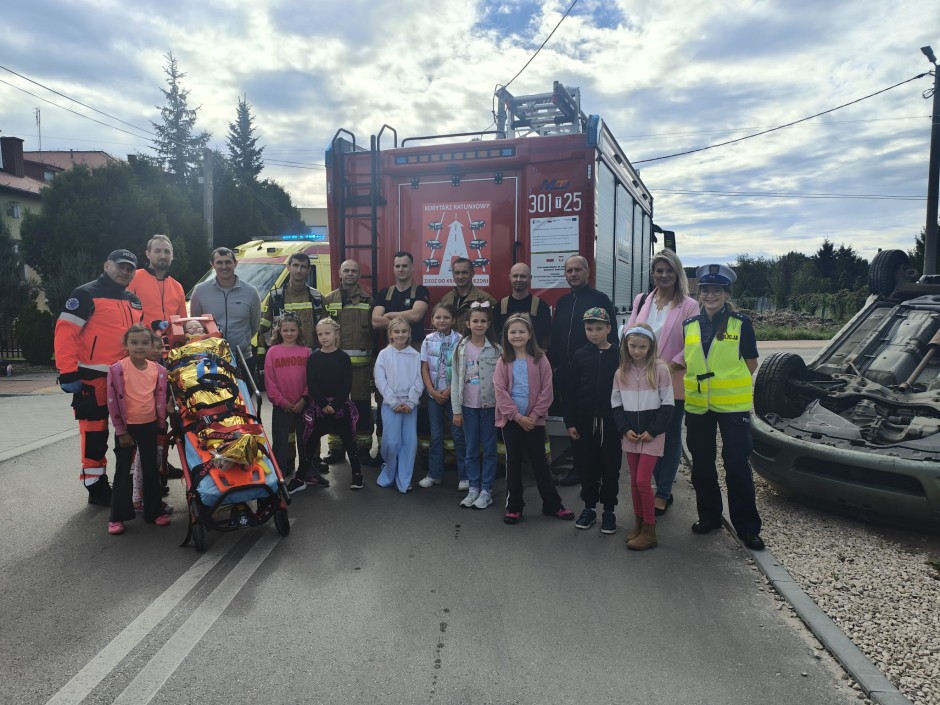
(686, 133)
(296, 165)
(532, 58)
(784, 194)
(62, 95)
(223, 161)
(780, 127)
(68, 110)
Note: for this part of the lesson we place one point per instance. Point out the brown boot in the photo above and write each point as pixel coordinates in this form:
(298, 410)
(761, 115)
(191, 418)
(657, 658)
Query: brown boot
(646, 540)
(636, 530)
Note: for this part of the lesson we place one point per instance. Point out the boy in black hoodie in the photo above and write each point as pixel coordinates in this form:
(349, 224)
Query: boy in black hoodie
(590, 421)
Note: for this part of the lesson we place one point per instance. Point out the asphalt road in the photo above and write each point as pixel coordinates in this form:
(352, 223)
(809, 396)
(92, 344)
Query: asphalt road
(376, 597)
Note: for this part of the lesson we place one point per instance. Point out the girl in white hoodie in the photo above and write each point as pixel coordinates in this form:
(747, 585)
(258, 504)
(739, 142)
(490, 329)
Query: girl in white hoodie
(398, 380)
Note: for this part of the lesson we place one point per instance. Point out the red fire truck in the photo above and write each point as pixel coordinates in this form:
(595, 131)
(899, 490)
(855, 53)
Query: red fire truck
(549, 182)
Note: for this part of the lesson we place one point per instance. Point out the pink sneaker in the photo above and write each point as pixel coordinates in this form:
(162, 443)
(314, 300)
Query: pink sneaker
(564, 514)
(162, 520)
(115, 527)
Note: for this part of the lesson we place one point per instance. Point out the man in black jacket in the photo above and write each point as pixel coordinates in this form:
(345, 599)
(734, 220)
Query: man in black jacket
(568, 331)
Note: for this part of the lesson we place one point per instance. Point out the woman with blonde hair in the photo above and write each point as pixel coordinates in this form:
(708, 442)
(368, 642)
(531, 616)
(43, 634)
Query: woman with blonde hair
(664, 309)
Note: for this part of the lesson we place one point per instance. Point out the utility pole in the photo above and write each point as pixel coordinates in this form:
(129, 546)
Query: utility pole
(207, 193)
(933, 176)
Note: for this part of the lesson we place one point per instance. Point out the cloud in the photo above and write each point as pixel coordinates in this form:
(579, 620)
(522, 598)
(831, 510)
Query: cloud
(666, 77)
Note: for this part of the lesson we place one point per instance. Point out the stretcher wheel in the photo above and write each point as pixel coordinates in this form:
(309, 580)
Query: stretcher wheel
(281, 522)
(199, 537)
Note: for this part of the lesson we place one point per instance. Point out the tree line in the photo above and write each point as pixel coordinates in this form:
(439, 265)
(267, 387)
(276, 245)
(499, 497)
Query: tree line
(785, 278)
(88, 213)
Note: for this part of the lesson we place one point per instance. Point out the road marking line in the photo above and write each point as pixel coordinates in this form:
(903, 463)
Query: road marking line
(158, 670)
(87, 679)
(19, 450)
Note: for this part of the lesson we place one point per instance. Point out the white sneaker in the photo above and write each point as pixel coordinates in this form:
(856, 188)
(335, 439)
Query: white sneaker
(428, 481)
(470, 498)
(463, 485)
(484, 500)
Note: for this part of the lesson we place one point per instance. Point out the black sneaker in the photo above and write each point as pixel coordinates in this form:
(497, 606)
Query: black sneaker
(356, 482)
(586, 520)
(608, 523)
(318, 481)
(320, 466)
(336, 456)
(296, 485)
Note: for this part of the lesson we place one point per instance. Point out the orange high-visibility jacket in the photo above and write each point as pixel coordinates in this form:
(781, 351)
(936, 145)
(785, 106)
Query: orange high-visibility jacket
(161, 298)
(90, 330)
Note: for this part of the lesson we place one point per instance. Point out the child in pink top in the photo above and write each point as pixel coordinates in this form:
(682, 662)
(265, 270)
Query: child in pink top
(285, 377)
(156, 355)
(642, 405)
(137, 406)
(523, 385)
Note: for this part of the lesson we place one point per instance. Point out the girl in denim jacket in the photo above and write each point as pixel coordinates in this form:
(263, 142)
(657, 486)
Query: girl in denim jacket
(473, 399)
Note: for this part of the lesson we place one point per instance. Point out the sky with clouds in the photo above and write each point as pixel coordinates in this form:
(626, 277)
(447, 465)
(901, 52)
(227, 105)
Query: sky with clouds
(666, 77)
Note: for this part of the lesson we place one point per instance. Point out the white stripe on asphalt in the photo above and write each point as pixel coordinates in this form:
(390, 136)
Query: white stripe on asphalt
(35, 445)
(111, 655)
(165, 662)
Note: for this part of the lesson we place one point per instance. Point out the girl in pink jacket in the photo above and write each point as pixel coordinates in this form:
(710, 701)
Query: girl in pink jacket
(137, 393)
(664, 309)
(523, 383)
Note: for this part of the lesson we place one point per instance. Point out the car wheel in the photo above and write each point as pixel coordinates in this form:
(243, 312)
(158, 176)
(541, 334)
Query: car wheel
(770, 385)
(886, 270)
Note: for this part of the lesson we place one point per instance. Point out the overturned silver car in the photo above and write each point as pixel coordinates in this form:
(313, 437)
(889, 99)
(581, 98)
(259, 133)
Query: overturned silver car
(857, 429)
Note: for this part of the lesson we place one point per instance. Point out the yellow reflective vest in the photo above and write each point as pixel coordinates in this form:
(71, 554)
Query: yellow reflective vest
(721, 382)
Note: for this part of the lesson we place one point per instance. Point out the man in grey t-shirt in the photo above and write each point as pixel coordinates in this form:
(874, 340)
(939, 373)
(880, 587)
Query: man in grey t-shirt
(235, 305)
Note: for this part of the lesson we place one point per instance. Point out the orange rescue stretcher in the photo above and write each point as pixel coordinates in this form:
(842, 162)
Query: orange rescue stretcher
(232, 480)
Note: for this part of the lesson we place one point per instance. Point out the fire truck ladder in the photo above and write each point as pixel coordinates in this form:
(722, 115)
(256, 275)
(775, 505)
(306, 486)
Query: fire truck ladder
(356, 198)
(555, 113)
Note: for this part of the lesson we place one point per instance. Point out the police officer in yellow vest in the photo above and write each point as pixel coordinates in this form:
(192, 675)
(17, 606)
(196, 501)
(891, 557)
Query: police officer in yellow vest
(351, 307)
(720, 357)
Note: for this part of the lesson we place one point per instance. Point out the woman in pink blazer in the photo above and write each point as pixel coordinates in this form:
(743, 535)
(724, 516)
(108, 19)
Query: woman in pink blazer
(664, 309)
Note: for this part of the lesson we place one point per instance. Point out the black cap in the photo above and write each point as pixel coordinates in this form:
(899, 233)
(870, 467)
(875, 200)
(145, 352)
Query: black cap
(119, 256)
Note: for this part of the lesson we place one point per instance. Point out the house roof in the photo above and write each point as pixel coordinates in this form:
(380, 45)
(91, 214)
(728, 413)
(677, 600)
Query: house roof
(20, 183)
(66, 159)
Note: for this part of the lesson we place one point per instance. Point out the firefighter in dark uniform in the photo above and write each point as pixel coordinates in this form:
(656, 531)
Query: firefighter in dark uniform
(351, 307)
(720, 357)
(296, 296)
(88, 336)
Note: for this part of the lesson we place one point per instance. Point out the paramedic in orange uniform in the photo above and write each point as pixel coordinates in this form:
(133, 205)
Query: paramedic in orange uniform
(159, 293)
(88, 338)
(161, 297)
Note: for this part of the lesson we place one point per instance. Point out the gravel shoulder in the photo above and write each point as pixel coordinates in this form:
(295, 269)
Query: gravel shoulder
(880, 585)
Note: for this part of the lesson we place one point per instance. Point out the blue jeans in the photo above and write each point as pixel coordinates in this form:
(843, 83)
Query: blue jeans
(479, 427)
(668, 465)
(399, 447)
(436, 415)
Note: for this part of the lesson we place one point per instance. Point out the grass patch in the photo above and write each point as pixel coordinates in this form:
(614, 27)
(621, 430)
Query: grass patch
(795, 332)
